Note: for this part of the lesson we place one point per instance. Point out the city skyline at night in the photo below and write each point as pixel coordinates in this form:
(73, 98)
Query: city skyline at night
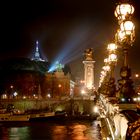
(70, 67)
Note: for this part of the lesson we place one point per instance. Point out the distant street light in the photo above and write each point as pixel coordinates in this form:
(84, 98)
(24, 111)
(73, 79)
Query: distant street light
(112, 59)
(95, 109)
(15, 94)
(136, 75)
(83, 92)
(49, 95)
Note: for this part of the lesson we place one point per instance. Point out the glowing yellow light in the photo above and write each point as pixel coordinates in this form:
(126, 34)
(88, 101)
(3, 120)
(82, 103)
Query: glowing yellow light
(4, 96)
(123, 10)
(59, 85)
(112, 57)
(112, 47)
(120, 35)
(136, 75)
(127, 27)
(24, 97)
(106, 60)
(82, 92)
(49, 95)
(106, 68)
(103, 73)
(96, 109)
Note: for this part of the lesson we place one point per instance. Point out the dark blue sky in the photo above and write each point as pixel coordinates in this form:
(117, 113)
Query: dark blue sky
(64, 27)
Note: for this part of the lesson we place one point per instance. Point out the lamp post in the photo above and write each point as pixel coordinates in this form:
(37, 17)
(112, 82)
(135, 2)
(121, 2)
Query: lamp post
(104, 80)
(125, 37)
(112, 62)
(112, 57)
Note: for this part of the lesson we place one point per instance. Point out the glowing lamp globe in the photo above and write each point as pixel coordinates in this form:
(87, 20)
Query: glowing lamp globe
(119, 36)
(123, 10)
(106, 68)
(127, 27)
(112, 47)
(112, 57)
(106, 60)
(103, 73)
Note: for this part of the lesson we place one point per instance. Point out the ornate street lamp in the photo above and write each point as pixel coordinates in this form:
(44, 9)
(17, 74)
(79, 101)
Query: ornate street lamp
(104, 78)
(124, 11)
(112, 62)
(112, 47)
(112, 59)
(127, 29)
(103, 82)
(106, 61)
(125, 37)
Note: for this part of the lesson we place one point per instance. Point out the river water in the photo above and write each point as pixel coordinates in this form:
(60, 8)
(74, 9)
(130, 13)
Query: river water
(51, 130)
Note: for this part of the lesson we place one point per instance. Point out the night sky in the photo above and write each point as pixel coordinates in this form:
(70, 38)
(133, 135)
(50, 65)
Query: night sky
(64, 29)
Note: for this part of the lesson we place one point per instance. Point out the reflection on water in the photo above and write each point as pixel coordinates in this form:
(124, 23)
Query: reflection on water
(16, 133)
(71, 130)
(74, 131)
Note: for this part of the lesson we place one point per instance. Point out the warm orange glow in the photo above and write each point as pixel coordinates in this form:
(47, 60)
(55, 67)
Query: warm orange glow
(106, 68)
(82, 81)
(106, 60)
(83, 92)
(111, 47)
(136, 75)
(59, 85)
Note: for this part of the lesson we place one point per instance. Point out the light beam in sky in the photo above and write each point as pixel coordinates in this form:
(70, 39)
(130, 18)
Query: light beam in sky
(74, 46)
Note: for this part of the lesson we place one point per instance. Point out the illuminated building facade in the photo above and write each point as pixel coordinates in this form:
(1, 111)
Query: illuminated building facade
(57, 84)
(89, 69)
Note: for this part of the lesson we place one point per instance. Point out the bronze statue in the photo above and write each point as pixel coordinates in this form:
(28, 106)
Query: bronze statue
(88, 54)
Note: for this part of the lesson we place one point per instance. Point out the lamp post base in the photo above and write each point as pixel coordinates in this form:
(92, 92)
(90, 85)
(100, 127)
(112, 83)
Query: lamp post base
(112, 87)
(125, 92)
